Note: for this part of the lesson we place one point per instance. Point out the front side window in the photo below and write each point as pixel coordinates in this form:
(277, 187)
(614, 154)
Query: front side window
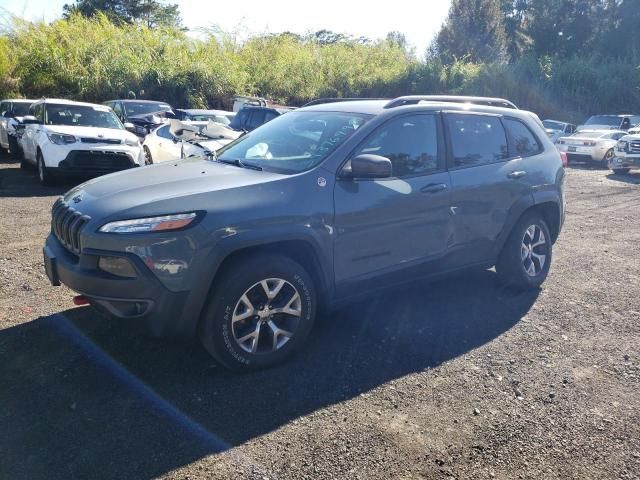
(98, 116)
(524, 141)
(164, 132)
(294, 142)
(410, 142)
(476, 139)
(37, 111)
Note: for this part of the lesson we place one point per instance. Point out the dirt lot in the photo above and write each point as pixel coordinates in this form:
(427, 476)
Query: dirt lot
(457, 379)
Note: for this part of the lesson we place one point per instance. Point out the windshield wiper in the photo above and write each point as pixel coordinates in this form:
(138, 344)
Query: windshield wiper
(239, 163)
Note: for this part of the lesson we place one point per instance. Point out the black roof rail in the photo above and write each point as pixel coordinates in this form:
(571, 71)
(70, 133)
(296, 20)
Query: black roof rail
(414, 99)
(320, 101)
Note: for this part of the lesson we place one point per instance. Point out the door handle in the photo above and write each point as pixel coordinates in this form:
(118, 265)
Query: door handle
(434, 188)
(517, 174)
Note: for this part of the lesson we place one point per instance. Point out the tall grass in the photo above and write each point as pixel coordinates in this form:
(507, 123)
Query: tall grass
(94, 60)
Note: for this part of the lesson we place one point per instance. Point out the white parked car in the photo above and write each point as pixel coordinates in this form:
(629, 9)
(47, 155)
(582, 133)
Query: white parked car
(627, 155)
(11, 113)
(590, 146)
(177, 140)
(63, 138)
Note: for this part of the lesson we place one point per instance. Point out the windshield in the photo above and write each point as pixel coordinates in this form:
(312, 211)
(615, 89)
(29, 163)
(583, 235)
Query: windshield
(551, 125)
(142, 108)
(20, 109)
(293, 142)
(205, 117)
(81, 116)
(609, 120)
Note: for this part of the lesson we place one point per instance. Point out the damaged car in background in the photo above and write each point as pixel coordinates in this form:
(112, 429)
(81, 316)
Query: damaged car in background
(141, 116)
(176, 139)
(12, 111)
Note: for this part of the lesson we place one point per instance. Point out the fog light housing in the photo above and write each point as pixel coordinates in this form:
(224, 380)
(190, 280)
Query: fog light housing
(117, 266)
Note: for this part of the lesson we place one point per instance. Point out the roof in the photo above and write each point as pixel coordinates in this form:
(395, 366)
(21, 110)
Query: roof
(128, 100)
(21, 100)
(64, 101)
(376, 107)
(276, 109)
(618, 115)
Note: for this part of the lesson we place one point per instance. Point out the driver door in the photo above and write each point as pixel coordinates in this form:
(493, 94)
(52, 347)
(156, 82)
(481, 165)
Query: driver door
(387, 224)
(167, 148)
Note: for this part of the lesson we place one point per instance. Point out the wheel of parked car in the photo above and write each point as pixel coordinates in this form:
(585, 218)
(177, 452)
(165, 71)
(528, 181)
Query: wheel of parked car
(608, 156)
(14, 148)
(43, 172)
(148, 160)
(621, 171)
(526, 256)
(260, 314)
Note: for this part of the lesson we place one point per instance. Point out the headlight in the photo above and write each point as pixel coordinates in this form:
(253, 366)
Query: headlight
(61, 138)
(622, 146)
(151, 224)
(132, 142)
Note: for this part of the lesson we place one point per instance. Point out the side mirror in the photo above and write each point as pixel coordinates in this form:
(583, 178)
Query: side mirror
(30, 120)
(370, 166)
(130, 127)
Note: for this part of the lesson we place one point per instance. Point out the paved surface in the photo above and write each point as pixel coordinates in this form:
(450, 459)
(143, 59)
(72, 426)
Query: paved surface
(457, 379)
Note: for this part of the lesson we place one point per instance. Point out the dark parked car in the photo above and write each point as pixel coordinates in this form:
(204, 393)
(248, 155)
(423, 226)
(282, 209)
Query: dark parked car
(316, 207)
(143, 115)
(251, 117)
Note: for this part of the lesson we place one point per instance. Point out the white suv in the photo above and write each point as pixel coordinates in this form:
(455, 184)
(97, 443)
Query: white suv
(64, 139)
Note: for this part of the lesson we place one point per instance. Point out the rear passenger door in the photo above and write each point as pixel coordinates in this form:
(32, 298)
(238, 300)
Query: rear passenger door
(490, 175)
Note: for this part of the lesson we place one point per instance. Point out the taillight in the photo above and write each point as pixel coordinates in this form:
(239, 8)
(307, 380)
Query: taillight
(561, 142)
(590, 144)
(565, 159)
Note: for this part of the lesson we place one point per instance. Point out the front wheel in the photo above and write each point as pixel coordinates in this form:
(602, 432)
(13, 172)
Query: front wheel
(608, 157)
(621, 171)
(14, 148)
(261, 311)
(148, 159)
(44, 175)
(526, 257)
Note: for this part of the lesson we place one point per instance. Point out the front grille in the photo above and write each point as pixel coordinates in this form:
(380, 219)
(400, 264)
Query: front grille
(97, 161)
(634, 147)
(108, 141)
(66, 225)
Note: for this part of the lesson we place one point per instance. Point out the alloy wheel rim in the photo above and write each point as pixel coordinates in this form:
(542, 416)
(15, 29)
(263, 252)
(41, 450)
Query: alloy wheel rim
(533, 250)
(266, 316)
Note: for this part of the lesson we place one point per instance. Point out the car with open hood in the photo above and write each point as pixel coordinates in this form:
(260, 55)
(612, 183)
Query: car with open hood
(11, 113)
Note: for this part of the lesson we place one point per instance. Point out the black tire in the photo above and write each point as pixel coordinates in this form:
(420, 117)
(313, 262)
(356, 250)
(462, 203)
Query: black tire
(44, 174)
(221, 336)
(148, 159)
(14, 148)
(621, 171)
(607, 156)
(514, 260)
(24, 164)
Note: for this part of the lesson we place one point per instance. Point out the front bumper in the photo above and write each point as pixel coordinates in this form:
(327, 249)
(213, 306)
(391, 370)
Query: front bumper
(143, 298)
(624, 160)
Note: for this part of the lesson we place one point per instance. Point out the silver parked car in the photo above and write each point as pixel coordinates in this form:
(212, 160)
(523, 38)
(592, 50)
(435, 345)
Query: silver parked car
(610, 122)
(556, 129)
(590, 146)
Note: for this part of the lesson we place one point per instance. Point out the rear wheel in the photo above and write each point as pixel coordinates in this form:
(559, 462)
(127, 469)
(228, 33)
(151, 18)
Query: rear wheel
(261, 312)
(148, 160)
(526, 257)
(44, 175)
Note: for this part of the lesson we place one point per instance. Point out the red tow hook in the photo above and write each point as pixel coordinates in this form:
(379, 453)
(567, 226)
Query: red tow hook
(80, 300)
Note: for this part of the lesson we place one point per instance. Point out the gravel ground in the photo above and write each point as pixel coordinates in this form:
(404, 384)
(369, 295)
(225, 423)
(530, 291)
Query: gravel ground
(455, 379)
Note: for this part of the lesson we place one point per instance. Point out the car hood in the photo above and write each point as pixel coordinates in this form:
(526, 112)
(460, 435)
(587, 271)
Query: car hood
(92, 132)
(161, 188)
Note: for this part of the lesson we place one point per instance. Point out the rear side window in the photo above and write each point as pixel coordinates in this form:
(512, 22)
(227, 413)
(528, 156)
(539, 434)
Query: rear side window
(410, 142)
(524, 141)
(476, 139)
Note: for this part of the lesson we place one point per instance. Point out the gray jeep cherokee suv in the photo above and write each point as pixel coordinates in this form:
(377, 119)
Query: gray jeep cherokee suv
(315, 207)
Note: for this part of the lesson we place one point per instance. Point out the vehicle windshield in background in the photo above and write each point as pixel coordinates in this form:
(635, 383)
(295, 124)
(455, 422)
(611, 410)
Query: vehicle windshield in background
(551, 125)
(81, 116)
(143, 108)
(205, 118)
(20, 109)
(293, 142)
(608, 120)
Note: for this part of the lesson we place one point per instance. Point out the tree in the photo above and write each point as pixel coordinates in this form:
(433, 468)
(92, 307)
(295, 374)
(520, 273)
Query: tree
(151, 13)
(473, 29)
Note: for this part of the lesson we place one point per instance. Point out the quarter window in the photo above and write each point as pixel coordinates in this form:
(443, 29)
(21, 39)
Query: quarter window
(410, 142)
(524, 141)
(476, 140)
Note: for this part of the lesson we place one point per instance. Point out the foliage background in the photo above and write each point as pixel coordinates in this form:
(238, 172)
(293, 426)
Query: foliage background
(93, 59)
